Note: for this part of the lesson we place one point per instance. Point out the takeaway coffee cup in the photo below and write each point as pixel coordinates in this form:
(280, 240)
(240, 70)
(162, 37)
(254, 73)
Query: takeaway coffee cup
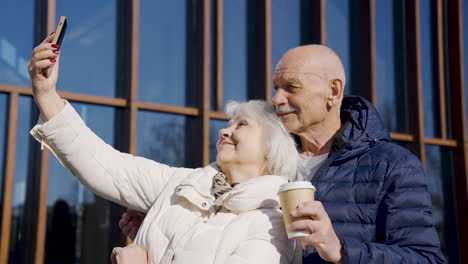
(291, 195)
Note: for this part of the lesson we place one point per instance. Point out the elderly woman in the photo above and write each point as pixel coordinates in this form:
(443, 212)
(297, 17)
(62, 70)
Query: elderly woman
(227, 212)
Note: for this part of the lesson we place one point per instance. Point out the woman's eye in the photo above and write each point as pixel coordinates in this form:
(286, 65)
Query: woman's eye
(243, 123)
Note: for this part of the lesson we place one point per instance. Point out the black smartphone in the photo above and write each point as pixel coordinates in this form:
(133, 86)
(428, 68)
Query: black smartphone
(58, 38)
(60, 31)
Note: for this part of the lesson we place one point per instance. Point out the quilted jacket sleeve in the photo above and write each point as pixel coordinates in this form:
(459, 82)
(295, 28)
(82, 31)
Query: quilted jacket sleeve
(131, 181)
(405, 224)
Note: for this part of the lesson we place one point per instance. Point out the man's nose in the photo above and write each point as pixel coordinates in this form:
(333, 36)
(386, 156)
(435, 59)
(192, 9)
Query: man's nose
(279, 98)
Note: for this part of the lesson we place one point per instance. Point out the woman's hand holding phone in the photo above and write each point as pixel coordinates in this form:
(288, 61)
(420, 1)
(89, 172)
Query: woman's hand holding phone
(43, 69)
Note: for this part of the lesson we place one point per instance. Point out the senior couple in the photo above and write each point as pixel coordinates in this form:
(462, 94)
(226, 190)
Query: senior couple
(372, 203)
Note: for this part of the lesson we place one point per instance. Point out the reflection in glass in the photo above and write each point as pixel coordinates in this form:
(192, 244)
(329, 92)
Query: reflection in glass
(390, 84)
(440, 183)
(77, 219)
(215, 126)
(235, 50)
(23, 168)
(162, 138)
(3, 135)
(428, 68)
(16, 41)
(338, 34)
(166, 45)
(88, 59)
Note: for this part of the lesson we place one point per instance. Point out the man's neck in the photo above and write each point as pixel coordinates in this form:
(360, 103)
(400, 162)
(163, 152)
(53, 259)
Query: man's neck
(318, 139)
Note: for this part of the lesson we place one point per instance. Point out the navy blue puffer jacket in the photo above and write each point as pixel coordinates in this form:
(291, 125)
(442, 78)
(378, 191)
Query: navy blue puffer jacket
(376, 195)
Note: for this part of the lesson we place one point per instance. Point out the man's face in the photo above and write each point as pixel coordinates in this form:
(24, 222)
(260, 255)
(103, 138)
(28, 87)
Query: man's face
(300, 98)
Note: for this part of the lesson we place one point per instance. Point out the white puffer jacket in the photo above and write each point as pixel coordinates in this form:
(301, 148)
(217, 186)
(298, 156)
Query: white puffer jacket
(182, 225)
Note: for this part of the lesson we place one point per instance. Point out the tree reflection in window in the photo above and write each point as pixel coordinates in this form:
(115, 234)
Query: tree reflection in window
(162, 137)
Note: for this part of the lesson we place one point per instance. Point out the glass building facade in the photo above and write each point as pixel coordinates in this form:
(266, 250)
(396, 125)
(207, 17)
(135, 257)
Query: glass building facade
(151, 77)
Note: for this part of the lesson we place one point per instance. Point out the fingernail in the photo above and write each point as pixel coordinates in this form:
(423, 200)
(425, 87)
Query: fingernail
(55, 45)
(52, 60)
(51, 33)
(56, 52)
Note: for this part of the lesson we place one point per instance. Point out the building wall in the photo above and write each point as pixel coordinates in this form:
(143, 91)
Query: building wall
(149, 76)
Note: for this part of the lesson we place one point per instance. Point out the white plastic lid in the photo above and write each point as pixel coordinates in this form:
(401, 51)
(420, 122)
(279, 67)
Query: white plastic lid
(296, 185)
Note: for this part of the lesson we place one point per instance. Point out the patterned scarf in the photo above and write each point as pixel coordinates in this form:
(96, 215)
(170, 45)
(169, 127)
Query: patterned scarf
(220, 185)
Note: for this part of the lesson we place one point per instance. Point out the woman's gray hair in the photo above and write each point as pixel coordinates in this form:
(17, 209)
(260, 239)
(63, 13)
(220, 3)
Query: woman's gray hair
(282, 155)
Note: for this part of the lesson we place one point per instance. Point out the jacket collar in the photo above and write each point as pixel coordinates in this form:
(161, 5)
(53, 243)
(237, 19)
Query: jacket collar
(256, 193)
(362, 128)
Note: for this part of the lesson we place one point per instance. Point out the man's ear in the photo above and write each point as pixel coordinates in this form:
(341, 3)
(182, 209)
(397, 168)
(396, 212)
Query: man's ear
(335, 92)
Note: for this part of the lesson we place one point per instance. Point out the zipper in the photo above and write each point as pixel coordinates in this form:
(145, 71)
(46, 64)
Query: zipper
(54, 151)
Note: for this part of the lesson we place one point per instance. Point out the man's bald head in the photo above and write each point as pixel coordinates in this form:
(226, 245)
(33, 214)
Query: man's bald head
(313, 59)
(309, 82)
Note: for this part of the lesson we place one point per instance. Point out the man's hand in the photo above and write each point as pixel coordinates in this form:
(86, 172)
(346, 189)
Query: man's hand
(131, 222)
(129, 255)
(323, 236)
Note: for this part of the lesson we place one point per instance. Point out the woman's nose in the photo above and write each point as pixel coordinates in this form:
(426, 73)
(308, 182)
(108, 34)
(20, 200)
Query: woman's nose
(224, 133)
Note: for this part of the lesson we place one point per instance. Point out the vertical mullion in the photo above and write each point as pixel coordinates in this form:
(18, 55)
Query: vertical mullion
(313, 22)
(259, 51)
(205, 111)
(363, 49)
(9, 174)
(372, 53)
(219, 53)
(459, 123)
(42, 208)
(322, 22)
(40, 192)
(267, 48)
(440, 69)
(414, 80)
(128, 65)
(133, 96)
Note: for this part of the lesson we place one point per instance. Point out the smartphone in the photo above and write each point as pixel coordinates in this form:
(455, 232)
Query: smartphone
(60, 31)
(58, 37)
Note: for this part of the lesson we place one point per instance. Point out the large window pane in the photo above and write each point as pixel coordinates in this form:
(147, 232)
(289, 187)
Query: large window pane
(77, 219)
(163, 138)
(440, 179)
(215, 126)
(390, 81)
(16, 40)
(88, 59)
(235, 50)
(165, 49)
(428, 67)
(23, 169)
(3, 135)
(338, 34)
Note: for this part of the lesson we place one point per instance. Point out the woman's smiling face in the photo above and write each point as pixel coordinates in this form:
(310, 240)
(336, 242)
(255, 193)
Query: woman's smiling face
(242, 142)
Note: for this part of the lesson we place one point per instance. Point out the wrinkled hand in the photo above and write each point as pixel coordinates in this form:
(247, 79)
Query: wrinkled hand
(131, 254)
(323, 236)
(43, 67)
(131, 222)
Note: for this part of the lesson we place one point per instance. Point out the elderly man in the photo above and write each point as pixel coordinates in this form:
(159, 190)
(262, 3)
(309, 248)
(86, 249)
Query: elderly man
(372, 203)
